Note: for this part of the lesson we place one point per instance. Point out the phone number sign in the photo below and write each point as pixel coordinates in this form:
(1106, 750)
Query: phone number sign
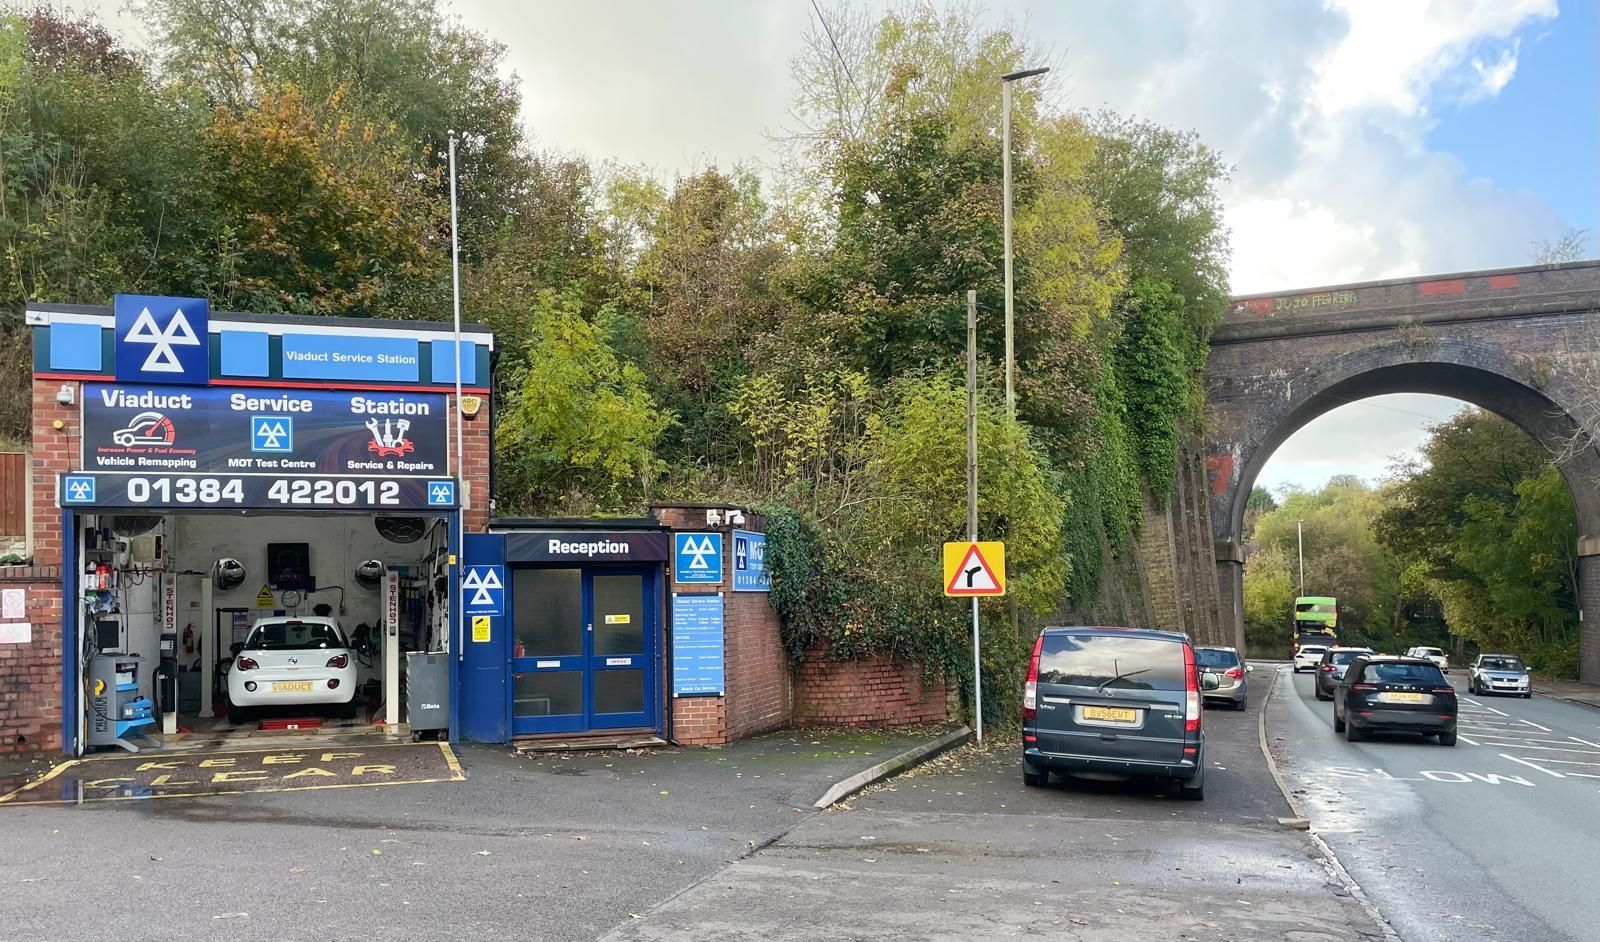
(255, 492)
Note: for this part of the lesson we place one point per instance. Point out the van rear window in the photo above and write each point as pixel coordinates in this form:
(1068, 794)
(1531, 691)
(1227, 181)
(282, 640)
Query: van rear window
(1115, 661)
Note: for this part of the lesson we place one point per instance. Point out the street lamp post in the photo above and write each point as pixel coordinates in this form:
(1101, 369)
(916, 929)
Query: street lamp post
(1005, 163)
(1300, 543)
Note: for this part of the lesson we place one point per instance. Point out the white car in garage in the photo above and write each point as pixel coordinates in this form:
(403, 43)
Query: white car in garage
(291, 661)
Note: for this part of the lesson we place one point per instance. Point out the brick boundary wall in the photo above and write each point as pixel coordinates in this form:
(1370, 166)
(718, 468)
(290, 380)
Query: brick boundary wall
(875, 691)
(30, 674)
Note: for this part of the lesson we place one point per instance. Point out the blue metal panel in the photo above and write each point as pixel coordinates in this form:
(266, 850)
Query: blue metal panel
(245, 353)
(76, 347)
(162, 340)
(70, 644)
(351, 358)
(444, 361)
(484, 700)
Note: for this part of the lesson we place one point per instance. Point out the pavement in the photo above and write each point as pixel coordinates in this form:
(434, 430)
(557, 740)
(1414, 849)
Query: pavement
(960, 849)
(1493, 839)
(1569, 690)
(545, 846)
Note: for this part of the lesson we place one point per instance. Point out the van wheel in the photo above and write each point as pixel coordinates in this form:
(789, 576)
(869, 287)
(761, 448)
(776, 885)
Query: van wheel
(1447, 739)
(1323, 696)
(1351, 734)
(1193, 790)
(238, 715)
(1034, 778)
(1338, 724)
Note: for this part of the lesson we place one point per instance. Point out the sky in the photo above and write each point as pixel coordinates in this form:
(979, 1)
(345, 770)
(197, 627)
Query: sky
(1370, 138)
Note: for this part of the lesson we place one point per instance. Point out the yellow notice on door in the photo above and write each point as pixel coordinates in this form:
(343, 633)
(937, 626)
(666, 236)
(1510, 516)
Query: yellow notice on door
(480, 628)
(618, 619)
(264, 597)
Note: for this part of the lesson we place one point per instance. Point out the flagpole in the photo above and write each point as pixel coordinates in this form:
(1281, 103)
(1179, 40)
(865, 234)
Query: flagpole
(461, 448)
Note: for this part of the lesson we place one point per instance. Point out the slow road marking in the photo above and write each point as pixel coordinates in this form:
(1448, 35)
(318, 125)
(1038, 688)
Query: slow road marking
(156, 775)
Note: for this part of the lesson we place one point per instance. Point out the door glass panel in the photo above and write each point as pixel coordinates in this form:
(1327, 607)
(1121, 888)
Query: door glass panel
(620, 691)
(618, 615)
(548, 693)
(548, 616)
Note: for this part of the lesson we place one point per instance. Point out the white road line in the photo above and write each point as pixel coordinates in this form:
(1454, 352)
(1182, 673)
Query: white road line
(1532, 766)
(1537, 726)
(1467, 699)
(1468, 740)
(1585, 742)
(1512, 745)
(1582, 775)
(1512, 741)
(1567, 761)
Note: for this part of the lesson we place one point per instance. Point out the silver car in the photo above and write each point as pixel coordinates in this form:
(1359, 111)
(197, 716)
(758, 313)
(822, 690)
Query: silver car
(1233, 681)
(1499, 673)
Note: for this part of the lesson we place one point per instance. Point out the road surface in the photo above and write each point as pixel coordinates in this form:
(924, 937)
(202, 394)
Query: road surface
(1495, 838)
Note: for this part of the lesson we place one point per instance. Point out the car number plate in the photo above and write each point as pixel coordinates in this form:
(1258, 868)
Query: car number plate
(1400, 697)
(1115, 714)
(291, 686)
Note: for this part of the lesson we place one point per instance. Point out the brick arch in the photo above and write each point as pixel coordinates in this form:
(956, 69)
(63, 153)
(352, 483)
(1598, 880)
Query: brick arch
(1549, 410)
(1523, 343)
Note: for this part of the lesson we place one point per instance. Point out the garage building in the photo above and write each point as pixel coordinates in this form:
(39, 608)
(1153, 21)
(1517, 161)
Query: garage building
(197, 473)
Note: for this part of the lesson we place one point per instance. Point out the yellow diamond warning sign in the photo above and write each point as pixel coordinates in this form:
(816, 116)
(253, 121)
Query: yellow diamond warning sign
(974, 569)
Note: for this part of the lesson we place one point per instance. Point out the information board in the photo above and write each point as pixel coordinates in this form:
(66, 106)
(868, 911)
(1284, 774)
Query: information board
(697, 660)
(280, 432)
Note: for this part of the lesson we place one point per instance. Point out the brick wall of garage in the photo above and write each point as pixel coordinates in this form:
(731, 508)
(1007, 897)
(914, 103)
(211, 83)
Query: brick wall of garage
(755, 667)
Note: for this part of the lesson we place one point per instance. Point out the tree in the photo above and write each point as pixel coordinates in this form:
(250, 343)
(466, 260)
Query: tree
(579, 429)
(1343, 557)
(326, 208)
(1486, 529)
(1570, 246)
(1269, 593)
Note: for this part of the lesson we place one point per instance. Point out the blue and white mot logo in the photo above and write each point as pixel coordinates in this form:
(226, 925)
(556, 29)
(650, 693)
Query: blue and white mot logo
(441, 493)
(697, 558)
(163, 340)
(483, 590)
(750, 562)
(272, 434)
(77, 489)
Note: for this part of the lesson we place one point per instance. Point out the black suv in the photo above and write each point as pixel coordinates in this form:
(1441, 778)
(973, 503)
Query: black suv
(1114, 702)
(1380, 693)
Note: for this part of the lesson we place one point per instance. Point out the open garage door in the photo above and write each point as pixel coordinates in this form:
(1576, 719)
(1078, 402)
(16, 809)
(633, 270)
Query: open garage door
(202, 628)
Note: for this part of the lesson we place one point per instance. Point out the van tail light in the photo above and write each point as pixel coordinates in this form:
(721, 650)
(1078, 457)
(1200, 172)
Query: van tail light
(1328, 668)
(1235, 672)
(338, 660)
(1449, 690)
(1363, 687)
(1030, 689)
(1191, 705)
(246, 664)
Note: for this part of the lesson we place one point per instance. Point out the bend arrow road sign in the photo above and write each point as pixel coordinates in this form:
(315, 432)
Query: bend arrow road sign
(974, 569)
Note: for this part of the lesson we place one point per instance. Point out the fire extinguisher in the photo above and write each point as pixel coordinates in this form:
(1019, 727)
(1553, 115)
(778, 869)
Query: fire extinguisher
(188, 639)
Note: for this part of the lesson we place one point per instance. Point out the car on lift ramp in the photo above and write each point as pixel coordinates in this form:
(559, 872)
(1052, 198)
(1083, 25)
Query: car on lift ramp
(292, 661)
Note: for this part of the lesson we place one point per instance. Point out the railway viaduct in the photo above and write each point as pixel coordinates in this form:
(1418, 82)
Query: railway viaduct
(1523, 343)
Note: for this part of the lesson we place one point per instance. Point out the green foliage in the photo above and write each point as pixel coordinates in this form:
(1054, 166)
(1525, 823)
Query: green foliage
(1151, 361)
(1343, 558)
(579, 428)
(1486, 527)
(1269, 593)
(327, 211)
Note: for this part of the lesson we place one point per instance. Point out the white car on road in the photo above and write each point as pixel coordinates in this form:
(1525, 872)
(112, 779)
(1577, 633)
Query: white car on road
(1308, 657)
(1433, 654)
(291, 661)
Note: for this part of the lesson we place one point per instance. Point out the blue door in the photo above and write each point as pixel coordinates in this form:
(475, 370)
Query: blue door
(583, 649)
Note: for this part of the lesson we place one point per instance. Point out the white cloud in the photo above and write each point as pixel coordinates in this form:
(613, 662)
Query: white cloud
(1396, 53)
